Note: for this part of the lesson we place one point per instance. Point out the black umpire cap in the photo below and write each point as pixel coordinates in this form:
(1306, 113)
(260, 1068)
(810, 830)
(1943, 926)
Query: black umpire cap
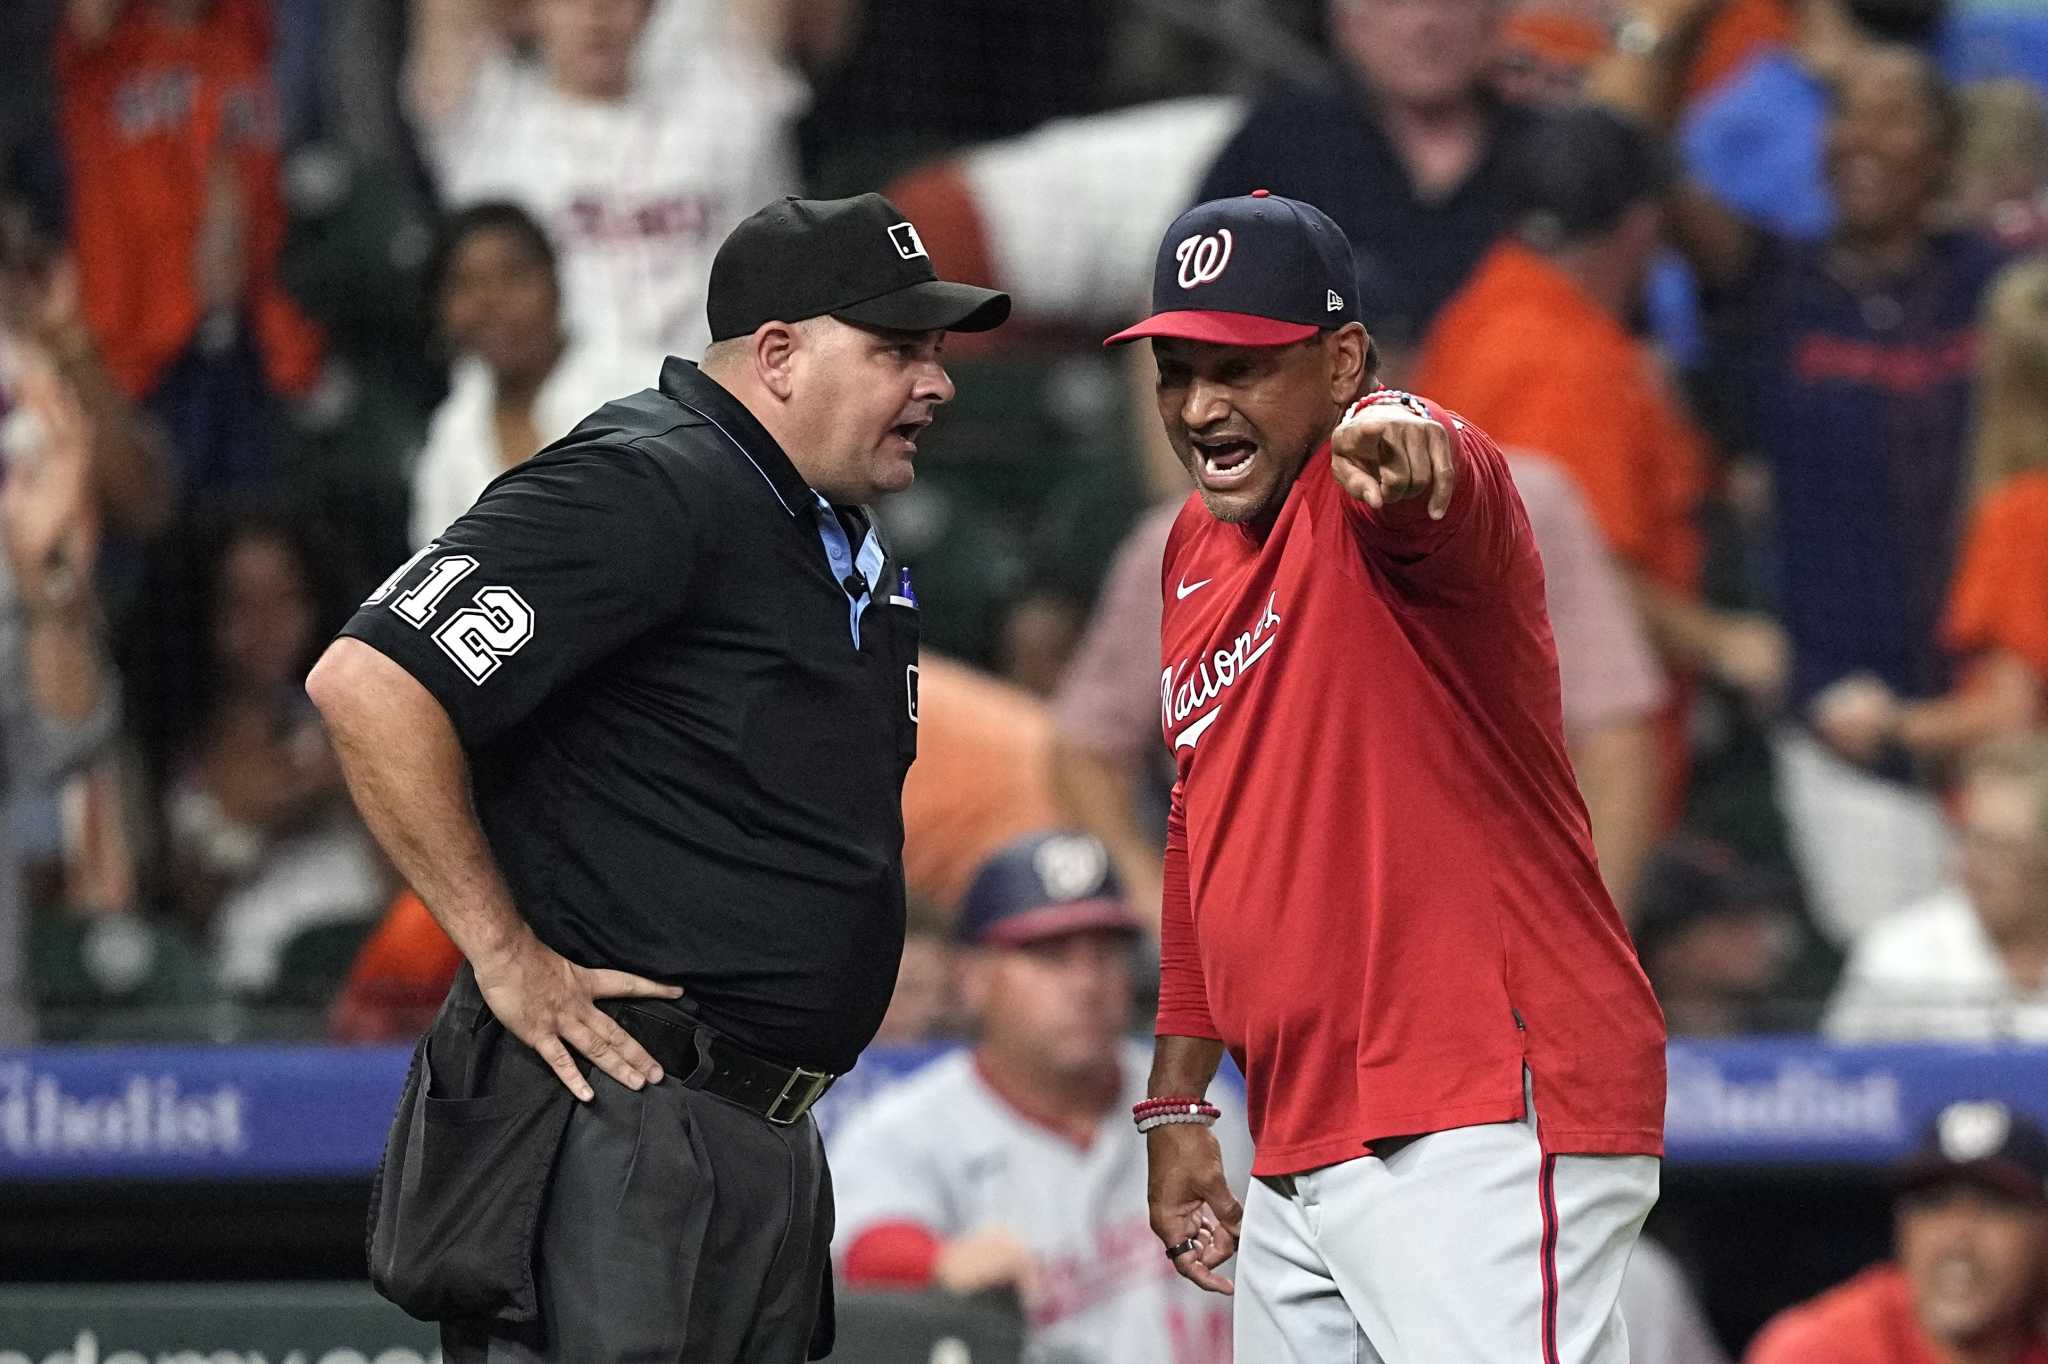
(857, 259)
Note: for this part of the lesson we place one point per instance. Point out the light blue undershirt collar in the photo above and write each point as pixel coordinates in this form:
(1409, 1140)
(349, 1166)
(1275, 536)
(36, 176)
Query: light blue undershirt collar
(839, 554)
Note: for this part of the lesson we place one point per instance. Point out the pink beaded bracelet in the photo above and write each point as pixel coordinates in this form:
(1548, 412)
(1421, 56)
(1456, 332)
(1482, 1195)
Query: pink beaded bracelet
(1174, 1109)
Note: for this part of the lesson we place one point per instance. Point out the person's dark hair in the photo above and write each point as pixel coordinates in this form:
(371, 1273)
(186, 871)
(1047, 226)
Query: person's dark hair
(1899, 21)
(1943, 104)
(491, 215)
(1372, 353)
(1578, 170)
(169, 662)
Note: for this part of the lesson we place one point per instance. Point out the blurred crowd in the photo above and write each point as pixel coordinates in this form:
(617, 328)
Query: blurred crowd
(1747, 287)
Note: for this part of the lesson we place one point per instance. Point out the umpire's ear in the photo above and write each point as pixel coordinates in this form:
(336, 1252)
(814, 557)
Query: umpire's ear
(775, 345)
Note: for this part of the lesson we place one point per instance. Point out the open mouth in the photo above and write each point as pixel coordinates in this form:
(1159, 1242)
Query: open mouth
(1225, 461)
(908, 432)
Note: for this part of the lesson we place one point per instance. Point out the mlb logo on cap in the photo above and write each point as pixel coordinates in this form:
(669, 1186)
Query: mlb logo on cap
(908, 244)
(1257, 270)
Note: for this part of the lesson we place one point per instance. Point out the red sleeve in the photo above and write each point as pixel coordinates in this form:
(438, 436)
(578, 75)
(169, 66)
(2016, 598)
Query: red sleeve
(1467, 547)
(1808, 1334)
(892, 1255)
(1183, 993)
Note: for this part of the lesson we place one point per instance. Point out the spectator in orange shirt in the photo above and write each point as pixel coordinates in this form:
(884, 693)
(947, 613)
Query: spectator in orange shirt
(170, 133)
(1968, 1284)
(1997, 619)
(1535, 349)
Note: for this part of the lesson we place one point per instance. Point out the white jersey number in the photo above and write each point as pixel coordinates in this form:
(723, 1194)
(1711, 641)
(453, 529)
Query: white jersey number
(417, 606)
(482, 636)
(478, 637)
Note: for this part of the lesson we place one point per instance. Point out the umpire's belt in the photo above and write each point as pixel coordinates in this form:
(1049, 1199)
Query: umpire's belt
(703, 1059)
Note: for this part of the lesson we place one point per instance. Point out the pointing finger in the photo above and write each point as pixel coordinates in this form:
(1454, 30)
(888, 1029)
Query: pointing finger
(1355, 481)
(1444, 481)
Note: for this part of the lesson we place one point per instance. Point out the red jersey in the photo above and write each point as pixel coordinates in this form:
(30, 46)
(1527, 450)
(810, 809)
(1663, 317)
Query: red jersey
(1868, 1320)
(1381, 893)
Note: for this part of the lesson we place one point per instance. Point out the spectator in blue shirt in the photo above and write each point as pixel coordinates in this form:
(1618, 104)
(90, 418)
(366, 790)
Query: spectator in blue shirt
(1852, 363)
(1757, 141)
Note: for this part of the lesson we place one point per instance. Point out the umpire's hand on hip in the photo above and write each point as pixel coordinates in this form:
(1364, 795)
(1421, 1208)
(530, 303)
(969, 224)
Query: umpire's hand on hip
(1387, 453)
(1191, 1201)
(547, 1001)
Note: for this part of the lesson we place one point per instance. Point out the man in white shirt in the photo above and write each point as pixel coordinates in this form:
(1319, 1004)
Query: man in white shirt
(521, 379)
(637, 169)
(1015, 1165)
(1970, 963)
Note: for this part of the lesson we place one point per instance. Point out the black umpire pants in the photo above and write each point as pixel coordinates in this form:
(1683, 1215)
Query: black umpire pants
(678, 1229)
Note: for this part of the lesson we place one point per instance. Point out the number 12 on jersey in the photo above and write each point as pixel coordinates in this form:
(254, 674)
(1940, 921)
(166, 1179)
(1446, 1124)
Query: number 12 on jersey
(480, 636)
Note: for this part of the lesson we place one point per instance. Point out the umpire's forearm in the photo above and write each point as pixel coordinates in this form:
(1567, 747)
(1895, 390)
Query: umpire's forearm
(406, 769)
(1183, 1066)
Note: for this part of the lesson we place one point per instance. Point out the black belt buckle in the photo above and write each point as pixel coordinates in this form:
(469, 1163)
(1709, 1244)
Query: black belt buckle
(802, 1089)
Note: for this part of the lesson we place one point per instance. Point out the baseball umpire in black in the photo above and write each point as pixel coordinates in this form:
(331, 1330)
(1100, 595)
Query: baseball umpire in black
(635, 728)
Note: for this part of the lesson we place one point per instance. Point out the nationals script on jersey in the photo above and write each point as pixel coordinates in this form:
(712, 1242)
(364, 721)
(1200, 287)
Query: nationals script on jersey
(944, 1151)
(1381, 892)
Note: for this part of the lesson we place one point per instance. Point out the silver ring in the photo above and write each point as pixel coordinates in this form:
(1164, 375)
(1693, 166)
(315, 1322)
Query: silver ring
(1180, 1248)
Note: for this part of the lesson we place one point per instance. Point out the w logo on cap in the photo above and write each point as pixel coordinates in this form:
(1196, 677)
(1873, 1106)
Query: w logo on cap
(908, 244)
(1202, 258)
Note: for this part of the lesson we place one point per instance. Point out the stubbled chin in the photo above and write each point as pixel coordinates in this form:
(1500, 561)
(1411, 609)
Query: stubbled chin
(1233, 506)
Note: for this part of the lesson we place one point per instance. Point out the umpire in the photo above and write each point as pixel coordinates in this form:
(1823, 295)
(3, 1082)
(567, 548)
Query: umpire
(635, 727)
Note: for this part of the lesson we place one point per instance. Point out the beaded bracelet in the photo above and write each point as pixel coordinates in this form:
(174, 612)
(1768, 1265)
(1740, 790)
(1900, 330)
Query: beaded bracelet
(1174, 1109)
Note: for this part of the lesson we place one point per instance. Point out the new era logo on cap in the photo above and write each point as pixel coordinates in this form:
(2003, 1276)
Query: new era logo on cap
(1333, 302)
(908, 244)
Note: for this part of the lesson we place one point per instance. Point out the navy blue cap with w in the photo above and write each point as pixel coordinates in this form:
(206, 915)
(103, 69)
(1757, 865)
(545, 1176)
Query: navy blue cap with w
(1253, 270)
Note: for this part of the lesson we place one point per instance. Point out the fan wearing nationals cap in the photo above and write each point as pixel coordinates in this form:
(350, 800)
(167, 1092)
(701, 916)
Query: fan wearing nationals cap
(1969, 1281)
(1007, 1166)
(1380, 888)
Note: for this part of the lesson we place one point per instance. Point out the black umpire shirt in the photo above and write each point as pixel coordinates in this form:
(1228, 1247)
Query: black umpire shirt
(683, 762)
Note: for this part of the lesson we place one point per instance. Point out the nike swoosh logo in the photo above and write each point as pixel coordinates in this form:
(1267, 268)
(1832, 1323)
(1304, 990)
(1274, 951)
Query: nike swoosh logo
(1188, 589)
(1188, 737)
